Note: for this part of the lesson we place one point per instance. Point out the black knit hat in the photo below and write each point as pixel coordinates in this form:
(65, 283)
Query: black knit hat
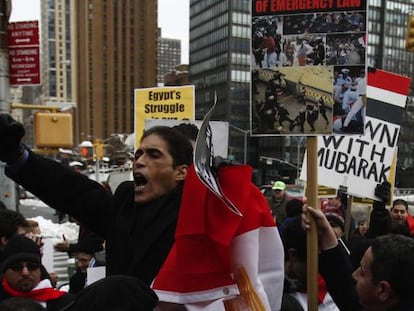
(88, 245)
(335, 220)
(20, 248)
(294, 207)
(116, 292)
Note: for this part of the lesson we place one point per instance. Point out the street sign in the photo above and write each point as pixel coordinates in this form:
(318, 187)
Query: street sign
(23, 33)
(24, 53)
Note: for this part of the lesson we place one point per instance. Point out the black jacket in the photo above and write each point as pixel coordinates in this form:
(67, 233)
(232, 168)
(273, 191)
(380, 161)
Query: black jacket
(138, 238)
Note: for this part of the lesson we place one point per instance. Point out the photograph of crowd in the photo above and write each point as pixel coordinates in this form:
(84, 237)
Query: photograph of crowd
(345, 49)
(328, 22)
(309, 39)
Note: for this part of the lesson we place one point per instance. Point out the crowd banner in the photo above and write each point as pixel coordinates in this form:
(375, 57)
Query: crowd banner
(169, 103)
(361, 162)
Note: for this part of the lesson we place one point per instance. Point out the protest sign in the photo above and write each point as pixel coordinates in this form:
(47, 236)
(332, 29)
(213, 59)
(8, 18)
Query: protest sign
(307, 66)
(360, 162)
(169, 103)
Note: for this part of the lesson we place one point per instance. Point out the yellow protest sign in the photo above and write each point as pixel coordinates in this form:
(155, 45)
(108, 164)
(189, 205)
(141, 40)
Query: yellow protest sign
(168, 103)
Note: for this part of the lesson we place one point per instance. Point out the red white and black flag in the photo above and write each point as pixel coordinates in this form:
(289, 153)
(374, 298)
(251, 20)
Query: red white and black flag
(227, 254)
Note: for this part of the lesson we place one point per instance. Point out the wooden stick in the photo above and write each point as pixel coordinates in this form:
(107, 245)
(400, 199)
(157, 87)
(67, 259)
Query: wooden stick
(312, 236)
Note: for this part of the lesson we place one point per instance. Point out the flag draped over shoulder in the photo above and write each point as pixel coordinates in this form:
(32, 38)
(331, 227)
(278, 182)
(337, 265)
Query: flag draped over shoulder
(219, 255)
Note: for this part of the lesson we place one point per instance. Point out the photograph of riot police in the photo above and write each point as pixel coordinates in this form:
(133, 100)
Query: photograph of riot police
(292, 100)
(350, 99)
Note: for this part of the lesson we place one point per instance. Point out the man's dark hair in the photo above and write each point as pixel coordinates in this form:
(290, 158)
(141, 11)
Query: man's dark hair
(179, 146)
(10, 221)
(393, 261)
(189, 130)
(20, 304)
(400, 202)
(294, 237)
(294, 207)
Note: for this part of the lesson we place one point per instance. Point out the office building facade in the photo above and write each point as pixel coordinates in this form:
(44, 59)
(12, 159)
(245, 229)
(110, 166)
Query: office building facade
(96, 52)
(387, 31)
(169, 57)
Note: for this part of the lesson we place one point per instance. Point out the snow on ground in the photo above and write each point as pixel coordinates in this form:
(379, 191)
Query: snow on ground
(50, 229)
(56, 231)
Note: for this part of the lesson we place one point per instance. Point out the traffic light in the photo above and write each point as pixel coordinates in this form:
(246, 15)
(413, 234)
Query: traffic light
(86, 152)
(86, 149)
(53, 130)
(409, 41)
(99, 149)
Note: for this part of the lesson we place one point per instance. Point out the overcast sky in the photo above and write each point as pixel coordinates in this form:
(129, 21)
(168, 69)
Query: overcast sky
(173, 18)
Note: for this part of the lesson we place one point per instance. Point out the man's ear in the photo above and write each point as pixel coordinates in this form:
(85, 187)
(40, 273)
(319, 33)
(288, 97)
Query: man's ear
(3, 242)
(385, 291)
(181, 172)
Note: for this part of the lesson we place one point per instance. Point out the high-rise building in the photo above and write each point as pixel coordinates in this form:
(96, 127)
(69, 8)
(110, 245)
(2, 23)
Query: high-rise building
(95, 53)
(387, 31)
(169, 56)
(220, 63)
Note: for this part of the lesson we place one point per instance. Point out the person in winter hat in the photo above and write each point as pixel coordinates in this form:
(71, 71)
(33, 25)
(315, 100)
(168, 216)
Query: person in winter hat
(21, 270)
(113, 293)
(84, 254)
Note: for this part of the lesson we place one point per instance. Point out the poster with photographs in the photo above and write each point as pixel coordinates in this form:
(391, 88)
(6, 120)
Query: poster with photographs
(308, 61)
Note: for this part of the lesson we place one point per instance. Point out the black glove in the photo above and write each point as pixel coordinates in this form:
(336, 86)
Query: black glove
(11, 133)
(383, 191)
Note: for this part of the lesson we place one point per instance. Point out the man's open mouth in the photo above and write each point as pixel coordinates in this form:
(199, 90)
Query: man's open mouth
(140, 180)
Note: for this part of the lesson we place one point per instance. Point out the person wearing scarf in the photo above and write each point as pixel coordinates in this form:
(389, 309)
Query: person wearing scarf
(21, 275)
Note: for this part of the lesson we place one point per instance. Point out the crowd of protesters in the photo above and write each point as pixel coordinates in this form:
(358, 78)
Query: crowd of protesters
(145, 238)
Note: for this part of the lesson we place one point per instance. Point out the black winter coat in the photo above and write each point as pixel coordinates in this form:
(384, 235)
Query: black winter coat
(138, 238)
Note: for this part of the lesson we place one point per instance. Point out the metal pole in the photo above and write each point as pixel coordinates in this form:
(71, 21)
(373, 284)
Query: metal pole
(7, 186)
(297, 162)
(245, 148)
(299, 143)
(97, 176)
(245, 133)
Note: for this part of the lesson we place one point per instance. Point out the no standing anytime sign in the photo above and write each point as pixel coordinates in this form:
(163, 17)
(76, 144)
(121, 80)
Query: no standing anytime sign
(24, 53)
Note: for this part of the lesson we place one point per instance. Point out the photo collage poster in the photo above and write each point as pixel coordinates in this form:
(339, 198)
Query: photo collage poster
(308, 66)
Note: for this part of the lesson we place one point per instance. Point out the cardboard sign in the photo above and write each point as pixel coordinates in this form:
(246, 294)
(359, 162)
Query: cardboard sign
(361, 162)
(168, 103)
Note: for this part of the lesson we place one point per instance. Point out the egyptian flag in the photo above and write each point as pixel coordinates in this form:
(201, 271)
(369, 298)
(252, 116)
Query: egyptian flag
(220, 260)
(361, 162)
(387, 96)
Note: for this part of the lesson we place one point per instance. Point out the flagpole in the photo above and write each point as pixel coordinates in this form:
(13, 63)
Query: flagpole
(312, 236)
